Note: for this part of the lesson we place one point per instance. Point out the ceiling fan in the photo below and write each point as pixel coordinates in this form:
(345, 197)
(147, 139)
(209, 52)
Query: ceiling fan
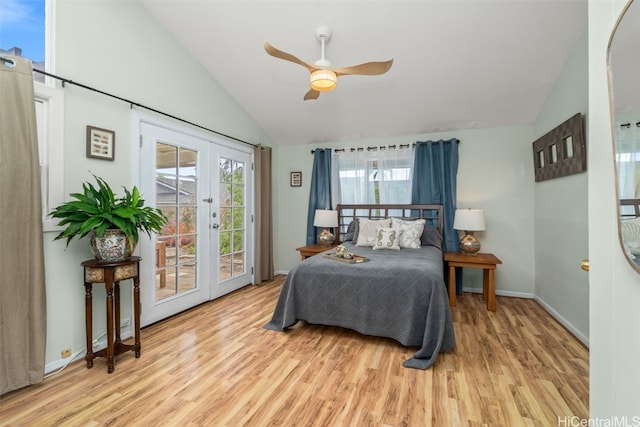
(323, 76)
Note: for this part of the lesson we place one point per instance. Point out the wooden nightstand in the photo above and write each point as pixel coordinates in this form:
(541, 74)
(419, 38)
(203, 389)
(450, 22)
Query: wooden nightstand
(487, 262)
(311, 250)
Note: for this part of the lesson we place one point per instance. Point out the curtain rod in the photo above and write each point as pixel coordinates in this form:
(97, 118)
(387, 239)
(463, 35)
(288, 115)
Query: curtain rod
(628, 125)
(374, 148)
(131, 103)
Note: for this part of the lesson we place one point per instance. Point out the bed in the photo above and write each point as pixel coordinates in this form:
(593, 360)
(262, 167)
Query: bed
(398, 294)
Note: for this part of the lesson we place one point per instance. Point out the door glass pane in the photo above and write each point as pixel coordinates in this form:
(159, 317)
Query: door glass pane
(176, 196)
(225, 267)
(225, 219)
(225, 243)
(238, 263)
(232, 218)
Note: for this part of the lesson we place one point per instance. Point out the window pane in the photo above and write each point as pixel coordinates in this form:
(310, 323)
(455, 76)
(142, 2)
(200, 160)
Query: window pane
(225, 243)
(238, 172)
(375, 177)
(238, 241)
(238, 264)
(187, 278)
(225, 219)
(22, 32)
(225, 194)
(225, 170)
(166, 284)
(225, 267)
(238, 218)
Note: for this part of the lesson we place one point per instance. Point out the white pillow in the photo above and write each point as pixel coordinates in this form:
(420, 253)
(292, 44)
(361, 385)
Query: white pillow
(387, 238)
(630, 236)
(367, 230)
(411, 232)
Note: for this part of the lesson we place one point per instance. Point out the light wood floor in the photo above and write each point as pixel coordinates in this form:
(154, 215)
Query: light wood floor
(216, 366)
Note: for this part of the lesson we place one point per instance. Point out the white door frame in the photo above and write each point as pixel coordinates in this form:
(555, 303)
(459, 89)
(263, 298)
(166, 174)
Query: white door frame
(147, 273)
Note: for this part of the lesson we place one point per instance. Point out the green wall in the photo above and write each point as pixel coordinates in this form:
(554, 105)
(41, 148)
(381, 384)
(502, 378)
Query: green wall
(561, 237)
(495, 174)
(117, 47)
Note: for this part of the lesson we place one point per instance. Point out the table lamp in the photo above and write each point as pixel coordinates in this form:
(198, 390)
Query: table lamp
(326, 219)
(469, 221)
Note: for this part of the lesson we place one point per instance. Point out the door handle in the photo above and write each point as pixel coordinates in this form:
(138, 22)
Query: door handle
(585, 265)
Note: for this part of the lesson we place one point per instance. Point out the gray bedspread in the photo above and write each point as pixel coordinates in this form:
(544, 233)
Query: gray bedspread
(397, 294)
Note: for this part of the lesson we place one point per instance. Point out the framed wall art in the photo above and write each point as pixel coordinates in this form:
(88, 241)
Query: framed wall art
(101, 143)
(296, 179)
(561, 152)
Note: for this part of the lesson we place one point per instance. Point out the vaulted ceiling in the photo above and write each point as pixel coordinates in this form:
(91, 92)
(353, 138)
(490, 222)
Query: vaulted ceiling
(458, 64)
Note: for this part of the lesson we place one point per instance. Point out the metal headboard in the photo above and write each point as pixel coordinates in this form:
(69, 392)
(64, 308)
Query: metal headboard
(347, 213)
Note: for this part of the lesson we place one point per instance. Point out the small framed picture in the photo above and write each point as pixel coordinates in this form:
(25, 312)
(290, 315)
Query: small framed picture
(296, 179)
(101, 143)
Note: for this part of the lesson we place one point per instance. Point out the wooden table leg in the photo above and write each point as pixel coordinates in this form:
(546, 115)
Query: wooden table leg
(485, 284)
(108, 281)
(491, 289)
(452, 286)
(116, 305)
(88, 324)
(136, 315)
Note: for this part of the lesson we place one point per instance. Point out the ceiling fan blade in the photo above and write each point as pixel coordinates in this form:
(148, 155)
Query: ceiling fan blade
(366, 69)
(277, 53)
(312, 94)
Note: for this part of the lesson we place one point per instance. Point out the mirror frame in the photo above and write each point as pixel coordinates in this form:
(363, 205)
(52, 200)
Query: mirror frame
(633, 265)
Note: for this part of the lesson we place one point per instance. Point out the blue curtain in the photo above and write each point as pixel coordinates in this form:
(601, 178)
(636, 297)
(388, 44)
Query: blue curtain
(320, 192)
(435, 172)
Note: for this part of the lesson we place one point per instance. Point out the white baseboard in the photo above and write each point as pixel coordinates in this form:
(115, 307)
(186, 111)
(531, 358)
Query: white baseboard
(502, 293)
(98, 344)
(564, 322)
(279, 272)
(583, 339)
(60, 364)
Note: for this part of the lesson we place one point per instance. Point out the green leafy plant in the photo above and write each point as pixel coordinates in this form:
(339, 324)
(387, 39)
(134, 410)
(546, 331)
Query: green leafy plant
(98, 209)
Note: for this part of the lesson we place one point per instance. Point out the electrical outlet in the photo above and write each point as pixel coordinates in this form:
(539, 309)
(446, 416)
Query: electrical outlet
(65, 353)
(125, 322)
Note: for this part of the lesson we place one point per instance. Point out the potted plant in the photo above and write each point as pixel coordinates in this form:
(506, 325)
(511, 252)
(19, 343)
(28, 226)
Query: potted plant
(113, 223)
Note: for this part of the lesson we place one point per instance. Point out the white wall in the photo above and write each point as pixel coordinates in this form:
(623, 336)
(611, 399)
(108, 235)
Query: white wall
(561, 237)
(614, 287)
(495, 174)
(117, 47)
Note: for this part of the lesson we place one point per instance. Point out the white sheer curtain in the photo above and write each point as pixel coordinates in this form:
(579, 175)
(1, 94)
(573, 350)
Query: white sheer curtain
(376, 176)
(628, 160)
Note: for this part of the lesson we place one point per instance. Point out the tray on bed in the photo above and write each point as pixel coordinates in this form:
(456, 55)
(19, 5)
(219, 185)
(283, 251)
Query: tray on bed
(357, 259)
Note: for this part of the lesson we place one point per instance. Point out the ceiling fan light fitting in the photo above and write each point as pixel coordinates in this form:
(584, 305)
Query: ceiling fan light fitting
(323, 80)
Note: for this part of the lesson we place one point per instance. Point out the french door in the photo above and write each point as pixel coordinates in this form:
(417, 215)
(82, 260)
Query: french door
(204, 188)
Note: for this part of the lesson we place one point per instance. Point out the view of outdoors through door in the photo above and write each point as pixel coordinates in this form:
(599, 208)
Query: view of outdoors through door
(204, 188)
(176, 196)
(232, 218)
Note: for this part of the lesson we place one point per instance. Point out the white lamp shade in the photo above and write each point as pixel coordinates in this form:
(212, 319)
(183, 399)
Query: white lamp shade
(325, 218)
(469, 220)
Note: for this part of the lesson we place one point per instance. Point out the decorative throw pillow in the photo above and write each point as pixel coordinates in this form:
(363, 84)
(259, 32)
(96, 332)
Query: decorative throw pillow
(387, 238)
(431, 237)
(630, 232)
(367, 230)
(411, 232)
(351, 230)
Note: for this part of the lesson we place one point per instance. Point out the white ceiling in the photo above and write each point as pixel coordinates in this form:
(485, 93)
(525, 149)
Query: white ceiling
(457, 64)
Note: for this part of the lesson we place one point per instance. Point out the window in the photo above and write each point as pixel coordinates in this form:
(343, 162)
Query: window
(25, 30)
(374, 177)
(50, 126)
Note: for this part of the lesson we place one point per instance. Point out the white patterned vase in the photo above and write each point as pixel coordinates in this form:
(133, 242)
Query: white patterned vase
(112, 246)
